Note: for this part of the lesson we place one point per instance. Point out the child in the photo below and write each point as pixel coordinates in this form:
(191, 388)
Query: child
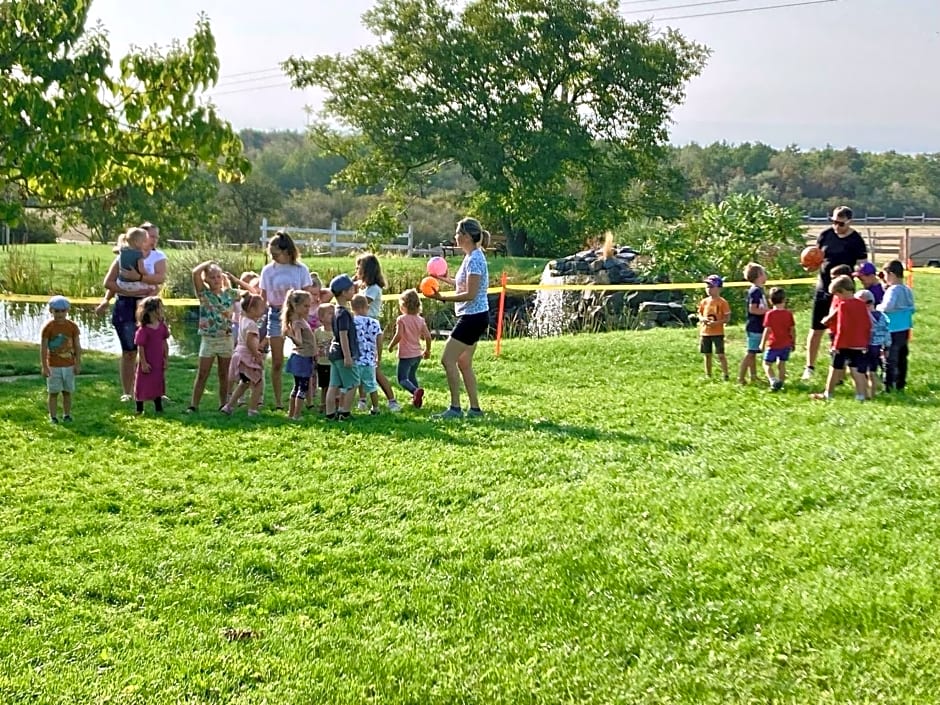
(344, 349)
(152, 353)
(324, 336)
(852, 334)
(878, 344)
(754, 328)
(294, 323)
(713, 313)
(314, 321)
(60, 355)
(898, 306)
(778, 338)
(129, 249)
(410, 330)
(253, 281)
(867, 274)
(247, 365)
(371, 283)
(369, 338)
(217, 299)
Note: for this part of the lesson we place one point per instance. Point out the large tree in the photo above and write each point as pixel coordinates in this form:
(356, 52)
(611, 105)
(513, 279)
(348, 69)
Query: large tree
(557, 108)
(73, 127)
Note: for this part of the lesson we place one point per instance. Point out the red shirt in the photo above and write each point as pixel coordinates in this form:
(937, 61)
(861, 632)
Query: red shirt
(780, 322)
(853, 324)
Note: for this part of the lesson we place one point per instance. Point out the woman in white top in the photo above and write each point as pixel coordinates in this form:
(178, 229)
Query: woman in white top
(473, 316)
(283, 273)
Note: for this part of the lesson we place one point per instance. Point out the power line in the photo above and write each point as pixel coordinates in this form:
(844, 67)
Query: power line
(748, 9)
(249, 89)
(249, 73)
(678, 7)
(225, 84)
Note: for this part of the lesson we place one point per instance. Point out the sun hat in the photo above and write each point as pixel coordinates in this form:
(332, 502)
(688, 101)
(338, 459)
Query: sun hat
(59, 303)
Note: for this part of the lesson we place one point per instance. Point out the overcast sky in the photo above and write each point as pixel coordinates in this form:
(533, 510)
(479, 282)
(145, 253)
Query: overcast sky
(847, 72)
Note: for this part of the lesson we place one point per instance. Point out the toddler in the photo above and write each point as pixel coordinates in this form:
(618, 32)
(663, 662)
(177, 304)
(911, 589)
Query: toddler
(153, 350)
(247, 365)
(754, 328)
(850, 342)
(898, 306)
(294, 322)
(369, 338)
(879, 343)
(324, 336)
(344, 349)
(371, 282)
(713, 313)
(778, 338)
(60, 355)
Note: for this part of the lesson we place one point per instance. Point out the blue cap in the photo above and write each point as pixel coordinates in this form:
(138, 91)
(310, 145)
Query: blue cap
(59, 303)
(340, 283)
(714, 280)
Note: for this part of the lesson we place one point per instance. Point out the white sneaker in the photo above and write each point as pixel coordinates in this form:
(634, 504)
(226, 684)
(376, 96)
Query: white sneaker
(394, 406)
(807, 374)
(362, 405)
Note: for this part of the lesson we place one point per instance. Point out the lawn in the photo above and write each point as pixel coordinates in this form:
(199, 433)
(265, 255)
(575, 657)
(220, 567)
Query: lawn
(615, 530)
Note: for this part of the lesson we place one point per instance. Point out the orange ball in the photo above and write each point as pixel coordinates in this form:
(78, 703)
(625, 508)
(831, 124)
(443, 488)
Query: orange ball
(429, 286)
(811, 257)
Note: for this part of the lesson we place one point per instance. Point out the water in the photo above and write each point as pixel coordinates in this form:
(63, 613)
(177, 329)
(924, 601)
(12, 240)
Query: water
(554, 310)
(23, 323)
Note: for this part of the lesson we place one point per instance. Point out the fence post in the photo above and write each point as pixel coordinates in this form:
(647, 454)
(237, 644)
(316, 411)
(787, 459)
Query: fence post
(499, 315)
(333, 245)
(906, 246)
(411, 239)
(264, 231)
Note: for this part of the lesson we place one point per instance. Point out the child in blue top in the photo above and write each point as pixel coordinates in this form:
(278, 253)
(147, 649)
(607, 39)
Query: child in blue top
(898, 306)
(880, 341)
(754, 328)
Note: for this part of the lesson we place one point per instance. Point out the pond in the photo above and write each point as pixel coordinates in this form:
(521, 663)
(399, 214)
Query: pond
(21, 322)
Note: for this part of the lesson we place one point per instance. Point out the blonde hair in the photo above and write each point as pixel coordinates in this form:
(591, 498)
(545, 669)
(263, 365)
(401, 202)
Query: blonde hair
(248, 300)
(360, 302)
(294, 298)
(325, 311)
(752, 271)
(410, 301)
(844, 285)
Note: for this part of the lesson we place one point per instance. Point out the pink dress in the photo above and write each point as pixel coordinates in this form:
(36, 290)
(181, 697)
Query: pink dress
(151, 385)
(243, 362)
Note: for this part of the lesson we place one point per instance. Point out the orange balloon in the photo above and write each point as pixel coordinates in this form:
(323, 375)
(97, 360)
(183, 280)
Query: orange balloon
(429, 286)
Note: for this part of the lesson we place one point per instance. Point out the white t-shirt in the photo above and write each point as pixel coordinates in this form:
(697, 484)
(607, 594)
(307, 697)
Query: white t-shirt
(277, 279)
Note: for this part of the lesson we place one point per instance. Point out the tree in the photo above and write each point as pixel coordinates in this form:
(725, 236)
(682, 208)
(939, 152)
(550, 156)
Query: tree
(556, 108)
(73, 131)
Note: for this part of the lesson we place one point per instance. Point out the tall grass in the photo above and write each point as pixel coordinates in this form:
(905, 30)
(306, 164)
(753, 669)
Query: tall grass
(23, 272)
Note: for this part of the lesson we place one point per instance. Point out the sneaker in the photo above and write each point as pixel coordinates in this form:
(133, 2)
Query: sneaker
(252, 412)
(191, 410)
(166, 399)
(53, 420)
(807, 374)
(449, 413)
(861, 397)
(776, 385)
(394, 406)
(820, 396)
(418, 399)
(343, 416)
(363, 405)
(226, 409)
(477, 413)
(126, 397)
(67, 418)
(375, 411)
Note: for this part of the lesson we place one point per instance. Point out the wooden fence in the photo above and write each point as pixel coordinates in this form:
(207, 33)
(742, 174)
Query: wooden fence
(884, 244)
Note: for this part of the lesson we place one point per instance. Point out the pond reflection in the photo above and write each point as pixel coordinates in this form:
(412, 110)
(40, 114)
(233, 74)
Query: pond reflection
(21, 322)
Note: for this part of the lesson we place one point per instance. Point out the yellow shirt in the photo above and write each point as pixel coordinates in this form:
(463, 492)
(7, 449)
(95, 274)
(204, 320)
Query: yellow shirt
(712, 313)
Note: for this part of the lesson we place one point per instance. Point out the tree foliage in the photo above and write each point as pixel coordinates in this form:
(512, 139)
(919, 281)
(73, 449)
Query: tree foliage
(556, 108)
(76, 128)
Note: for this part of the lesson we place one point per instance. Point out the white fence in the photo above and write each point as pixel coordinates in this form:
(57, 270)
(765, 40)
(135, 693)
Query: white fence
(323, 240)
(877, 219)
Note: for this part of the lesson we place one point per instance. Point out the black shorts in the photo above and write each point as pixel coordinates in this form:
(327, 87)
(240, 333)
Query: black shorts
(844, 357)
(821, 304)
(323, 375)
(708, 343)
(471, 327)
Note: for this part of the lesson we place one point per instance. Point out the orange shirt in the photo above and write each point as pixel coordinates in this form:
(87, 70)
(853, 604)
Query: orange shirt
(716, 309)
(60, 337)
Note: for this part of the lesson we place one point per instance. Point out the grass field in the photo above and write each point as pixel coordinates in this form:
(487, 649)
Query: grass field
(616, 530)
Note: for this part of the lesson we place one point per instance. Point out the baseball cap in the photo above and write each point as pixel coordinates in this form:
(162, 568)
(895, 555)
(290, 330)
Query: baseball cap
(59, 303)
(865, 295)
(340, 283)
(866, 269)
(714, 280)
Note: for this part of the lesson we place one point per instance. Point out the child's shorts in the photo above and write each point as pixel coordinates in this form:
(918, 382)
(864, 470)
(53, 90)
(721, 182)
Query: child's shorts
(873, 357)
(345, 378)
(323, 375)
(753, 342)
(367, 378)
(857, 359)
(215, 346)
(60, 379)
(777, 355)
(709, 343)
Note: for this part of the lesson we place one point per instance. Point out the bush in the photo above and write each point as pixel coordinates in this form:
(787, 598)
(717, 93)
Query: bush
(33, 230)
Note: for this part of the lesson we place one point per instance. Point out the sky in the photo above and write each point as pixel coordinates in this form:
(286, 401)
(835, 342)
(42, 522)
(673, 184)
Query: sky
(843, 72)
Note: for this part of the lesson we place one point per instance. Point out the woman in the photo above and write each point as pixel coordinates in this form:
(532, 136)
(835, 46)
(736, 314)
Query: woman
(123, 317)
(283, 273)
(840, 244)
(473, 317)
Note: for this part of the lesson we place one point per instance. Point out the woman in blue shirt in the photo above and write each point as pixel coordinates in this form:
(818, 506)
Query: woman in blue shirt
(473, 316)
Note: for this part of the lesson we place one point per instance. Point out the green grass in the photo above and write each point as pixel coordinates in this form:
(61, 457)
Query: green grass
(617, 530)
(78, 270)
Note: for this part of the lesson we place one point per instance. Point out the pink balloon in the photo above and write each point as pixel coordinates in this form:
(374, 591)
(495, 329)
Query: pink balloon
(437, 267)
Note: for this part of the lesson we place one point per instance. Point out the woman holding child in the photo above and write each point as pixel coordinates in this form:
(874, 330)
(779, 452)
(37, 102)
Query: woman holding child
(123, 317)
(473, 317)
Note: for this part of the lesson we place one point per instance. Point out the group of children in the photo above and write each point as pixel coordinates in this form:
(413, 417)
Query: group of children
(869, 329)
